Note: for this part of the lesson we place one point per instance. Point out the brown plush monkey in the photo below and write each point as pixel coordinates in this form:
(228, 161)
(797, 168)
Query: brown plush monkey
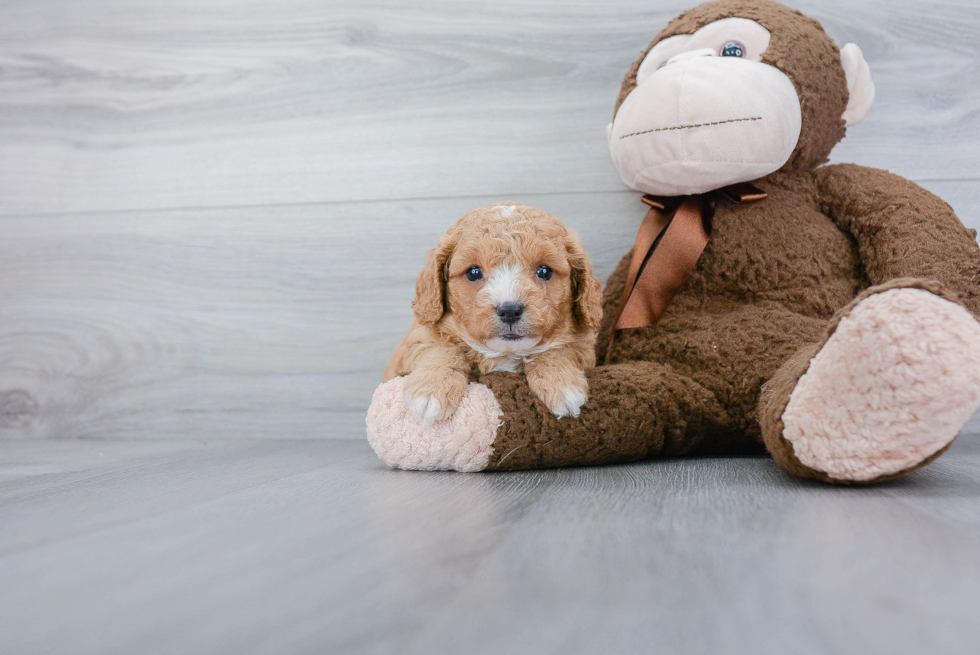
(830, 323)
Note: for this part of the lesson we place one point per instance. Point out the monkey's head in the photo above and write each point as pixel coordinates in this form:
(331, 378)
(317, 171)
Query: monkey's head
(732, 91)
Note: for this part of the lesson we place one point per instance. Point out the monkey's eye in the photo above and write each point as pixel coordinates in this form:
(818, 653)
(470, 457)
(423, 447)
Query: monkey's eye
(545, 273)
(474, 273)
(733, 49)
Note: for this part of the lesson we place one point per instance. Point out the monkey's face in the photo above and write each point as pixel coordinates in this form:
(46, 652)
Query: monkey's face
(706, 112)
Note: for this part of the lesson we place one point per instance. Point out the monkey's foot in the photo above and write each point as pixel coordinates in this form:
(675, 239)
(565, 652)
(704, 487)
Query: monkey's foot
(464, 442)
(889, 390)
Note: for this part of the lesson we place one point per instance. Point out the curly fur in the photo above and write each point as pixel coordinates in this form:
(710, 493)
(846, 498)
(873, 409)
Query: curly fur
(457, 332)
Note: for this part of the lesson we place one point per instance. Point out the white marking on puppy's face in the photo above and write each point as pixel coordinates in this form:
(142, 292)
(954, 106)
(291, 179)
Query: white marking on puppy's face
(514, 348)
(505, 211)
(503, 285)
(511, 347)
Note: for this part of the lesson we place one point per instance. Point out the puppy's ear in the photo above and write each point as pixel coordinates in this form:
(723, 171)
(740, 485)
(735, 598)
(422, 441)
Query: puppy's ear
(586, 288)
(430, 287)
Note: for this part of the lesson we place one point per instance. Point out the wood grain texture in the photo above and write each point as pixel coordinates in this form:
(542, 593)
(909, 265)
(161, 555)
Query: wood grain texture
(226, 323)
(315, 547)
(262, 322)
(318, 150)
(119, 105)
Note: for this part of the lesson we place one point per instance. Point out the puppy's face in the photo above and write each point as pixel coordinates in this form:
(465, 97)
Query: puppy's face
(509, 285)
(512, 280)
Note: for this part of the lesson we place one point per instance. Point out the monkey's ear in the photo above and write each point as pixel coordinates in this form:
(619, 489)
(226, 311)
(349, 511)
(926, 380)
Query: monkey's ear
(430, 287)
(859, 84)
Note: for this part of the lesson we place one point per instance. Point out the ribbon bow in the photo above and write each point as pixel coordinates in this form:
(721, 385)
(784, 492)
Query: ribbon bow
(670, 241)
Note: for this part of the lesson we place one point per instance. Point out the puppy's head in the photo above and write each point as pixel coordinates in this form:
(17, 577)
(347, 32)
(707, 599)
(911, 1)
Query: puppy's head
(509, 280)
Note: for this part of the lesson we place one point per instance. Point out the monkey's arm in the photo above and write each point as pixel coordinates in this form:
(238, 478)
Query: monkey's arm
(636, 410)
(901, 229)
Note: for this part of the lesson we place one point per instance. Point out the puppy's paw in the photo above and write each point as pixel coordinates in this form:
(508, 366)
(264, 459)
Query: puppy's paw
(434, 397)
(426, 408)
(571, 403)
(564, 395)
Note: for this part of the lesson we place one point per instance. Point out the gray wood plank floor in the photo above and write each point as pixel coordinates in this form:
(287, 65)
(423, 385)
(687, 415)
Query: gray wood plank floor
(257, 546)
(212, 216)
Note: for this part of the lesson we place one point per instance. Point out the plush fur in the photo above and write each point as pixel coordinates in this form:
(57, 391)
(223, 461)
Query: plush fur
(697, 121)
(832, 324)
(461, 443)
(459, 330)
(800, 48)
(888, 389)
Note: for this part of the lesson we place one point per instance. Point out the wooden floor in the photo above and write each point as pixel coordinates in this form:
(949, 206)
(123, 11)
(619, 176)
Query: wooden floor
(258, 546)
(211, 217)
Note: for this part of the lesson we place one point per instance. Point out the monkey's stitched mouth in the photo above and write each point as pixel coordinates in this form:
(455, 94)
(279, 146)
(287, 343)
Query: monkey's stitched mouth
(692, 126)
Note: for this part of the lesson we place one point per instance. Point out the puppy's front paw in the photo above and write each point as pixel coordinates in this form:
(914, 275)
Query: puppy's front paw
(434, 397)
(571, 403)
(564, 395)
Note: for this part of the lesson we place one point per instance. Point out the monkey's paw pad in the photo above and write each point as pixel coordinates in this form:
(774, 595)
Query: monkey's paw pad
(892, 386)
(464, 442)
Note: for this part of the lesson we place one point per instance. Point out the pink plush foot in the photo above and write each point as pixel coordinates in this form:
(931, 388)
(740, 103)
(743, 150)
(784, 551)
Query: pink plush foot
(892, 386)
(464, 442)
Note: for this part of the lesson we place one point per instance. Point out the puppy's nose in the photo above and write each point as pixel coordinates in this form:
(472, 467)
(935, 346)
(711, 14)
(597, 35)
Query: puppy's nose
(510, 312)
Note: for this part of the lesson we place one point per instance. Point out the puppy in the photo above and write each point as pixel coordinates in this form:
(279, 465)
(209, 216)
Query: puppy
(507, 289)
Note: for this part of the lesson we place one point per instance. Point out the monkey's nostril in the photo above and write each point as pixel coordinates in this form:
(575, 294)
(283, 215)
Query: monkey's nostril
(510, 312)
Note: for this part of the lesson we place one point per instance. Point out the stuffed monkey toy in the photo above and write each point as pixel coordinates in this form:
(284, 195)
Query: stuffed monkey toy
(822, 313)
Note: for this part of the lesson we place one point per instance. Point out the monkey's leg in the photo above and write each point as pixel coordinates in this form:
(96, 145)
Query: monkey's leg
(885, 392)
(635, 410)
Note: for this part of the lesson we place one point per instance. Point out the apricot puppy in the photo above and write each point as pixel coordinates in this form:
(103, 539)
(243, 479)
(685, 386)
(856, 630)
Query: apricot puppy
(508, 288)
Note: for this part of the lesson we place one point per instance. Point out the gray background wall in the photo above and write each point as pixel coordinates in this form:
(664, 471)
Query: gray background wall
(212, 212)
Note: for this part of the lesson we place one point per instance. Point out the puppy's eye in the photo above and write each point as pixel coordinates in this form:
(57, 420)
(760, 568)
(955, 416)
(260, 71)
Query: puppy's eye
(474, 273)
(732, 49)
(545, 273)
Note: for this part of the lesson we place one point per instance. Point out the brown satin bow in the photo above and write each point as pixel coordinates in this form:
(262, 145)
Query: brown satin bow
(670, 241)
